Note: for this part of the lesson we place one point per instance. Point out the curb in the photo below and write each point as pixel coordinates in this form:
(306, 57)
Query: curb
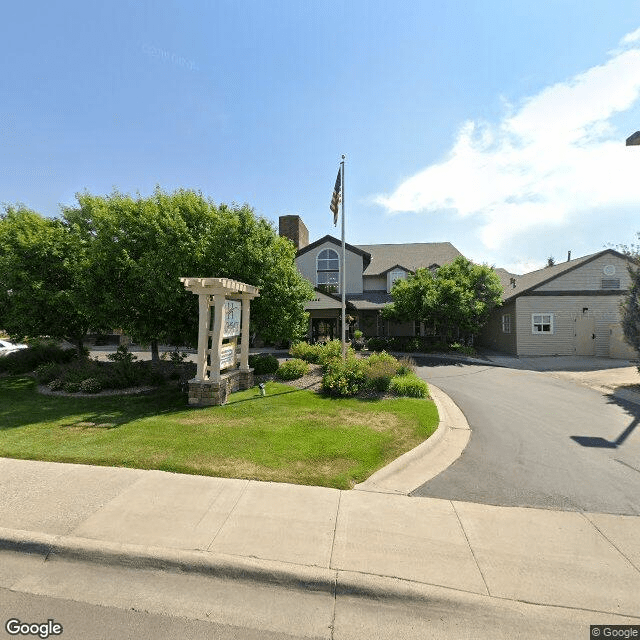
(179, 560)
(413, 468)
(336, 582)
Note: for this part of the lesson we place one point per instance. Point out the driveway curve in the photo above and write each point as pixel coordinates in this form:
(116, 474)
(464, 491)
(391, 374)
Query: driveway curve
(538, 441)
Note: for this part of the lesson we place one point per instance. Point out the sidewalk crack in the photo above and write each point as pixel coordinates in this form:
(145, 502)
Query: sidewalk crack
(595, 526)
(335, 528)
(486, 586)
(235, 504)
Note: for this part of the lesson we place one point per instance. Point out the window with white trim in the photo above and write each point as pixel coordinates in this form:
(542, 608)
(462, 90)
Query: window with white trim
(506, 323)
(542, 323)
(396, 274)
(328, 271)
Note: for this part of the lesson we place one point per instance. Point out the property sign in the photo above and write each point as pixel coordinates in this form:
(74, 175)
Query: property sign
(232, 318)
(227, 356)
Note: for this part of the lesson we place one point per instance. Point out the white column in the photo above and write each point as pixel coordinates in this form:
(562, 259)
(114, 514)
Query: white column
(244, 345)
(204, 319)
(216, 337)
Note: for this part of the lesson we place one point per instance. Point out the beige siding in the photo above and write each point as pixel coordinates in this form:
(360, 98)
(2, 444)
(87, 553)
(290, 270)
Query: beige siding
(374, 283)
(590, 276)
(565, 310)
(492, 335)
(306, 264)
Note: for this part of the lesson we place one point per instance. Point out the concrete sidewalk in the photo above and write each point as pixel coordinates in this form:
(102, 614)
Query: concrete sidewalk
(355, 542)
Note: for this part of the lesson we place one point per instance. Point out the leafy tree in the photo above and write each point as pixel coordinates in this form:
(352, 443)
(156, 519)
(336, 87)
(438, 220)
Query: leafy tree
(43, 288)
(142, 246)
(458, 298)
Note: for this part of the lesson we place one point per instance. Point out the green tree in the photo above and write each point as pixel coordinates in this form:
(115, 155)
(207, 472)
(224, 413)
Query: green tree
(142, 246)
(43, 287)
(456, 300)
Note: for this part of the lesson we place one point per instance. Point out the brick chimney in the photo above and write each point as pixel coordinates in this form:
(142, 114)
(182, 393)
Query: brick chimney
(293, 228)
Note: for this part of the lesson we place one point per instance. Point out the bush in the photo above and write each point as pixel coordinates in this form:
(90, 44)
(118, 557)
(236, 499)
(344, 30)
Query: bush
(307, 352)
(71, 387)
(56, 385)
(344, 378)
(376, 344)
(379, 374)
(26, 360)
(409, 385)
(406, 366)
(463, 349)
(263, 364)
(46, 372)
(126, 372)
(91, 385)
(292, 369)
(332, 350)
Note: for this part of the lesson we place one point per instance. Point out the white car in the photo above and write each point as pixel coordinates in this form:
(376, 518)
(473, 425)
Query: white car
(9, 347)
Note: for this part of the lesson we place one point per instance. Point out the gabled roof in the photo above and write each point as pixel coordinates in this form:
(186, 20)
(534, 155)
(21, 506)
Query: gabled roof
(358, 250)
(328, 300)
(506, 278)
(369, 300)
(535, 279)
(411, 256)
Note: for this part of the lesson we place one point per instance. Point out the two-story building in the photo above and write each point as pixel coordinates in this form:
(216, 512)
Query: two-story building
(370, 272)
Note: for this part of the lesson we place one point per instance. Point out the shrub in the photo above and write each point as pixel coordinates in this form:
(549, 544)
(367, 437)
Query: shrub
(463, 348)
(379, 374)
(125, 370)
(409, 385)
(71, 387)
(344, 378)
(46, 372)
(406, 366)
(376, 343)
(263, 364)
(27, 360)
(91, 385)
(56, 385)
(307, 352)
(331, 350)
(292, 369)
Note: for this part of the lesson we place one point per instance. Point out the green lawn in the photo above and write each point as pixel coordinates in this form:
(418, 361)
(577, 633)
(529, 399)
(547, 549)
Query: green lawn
(288, 436)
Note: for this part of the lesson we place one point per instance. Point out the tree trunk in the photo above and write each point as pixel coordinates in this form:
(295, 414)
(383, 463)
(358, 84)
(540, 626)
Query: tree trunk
(155, 355)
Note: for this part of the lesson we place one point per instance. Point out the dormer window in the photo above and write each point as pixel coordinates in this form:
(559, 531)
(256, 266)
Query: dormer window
(395, 274)
(328, 271)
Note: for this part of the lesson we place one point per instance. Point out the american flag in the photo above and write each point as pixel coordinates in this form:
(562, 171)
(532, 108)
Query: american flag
(336, 198)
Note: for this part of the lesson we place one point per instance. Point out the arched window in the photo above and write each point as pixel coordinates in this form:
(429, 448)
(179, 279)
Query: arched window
(328, 271)
(396, 274)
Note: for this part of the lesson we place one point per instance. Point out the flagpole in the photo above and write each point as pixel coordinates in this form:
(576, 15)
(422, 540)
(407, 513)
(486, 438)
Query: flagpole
(344, 274)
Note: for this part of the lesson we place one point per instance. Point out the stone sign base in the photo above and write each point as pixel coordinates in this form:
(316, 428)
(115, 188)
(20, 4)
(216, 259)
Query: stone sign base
(205, 393)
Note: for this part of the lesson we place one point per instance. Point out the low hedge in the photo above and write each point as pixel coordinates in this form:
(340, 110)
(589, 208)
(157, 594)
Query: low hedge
(409, 385)
(263, 364)
(292, 369)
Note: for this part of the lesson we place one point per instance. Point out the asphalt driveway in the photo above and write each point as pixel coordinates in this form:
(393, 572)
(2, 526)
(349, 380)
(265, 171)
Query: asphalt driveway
(538, 440)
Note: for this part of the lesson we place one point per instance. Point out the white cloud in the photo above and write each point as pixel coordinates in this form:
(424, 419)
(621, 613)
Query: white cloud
(551, 158)
(631, 38)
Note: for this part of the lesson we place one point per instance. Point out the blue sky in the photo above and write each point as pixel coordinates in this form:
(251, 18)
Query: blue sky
(496, 125)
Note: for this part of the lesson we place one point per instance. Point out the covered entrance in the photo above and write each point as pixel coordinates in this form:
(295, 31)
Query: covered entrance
(324, 329)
